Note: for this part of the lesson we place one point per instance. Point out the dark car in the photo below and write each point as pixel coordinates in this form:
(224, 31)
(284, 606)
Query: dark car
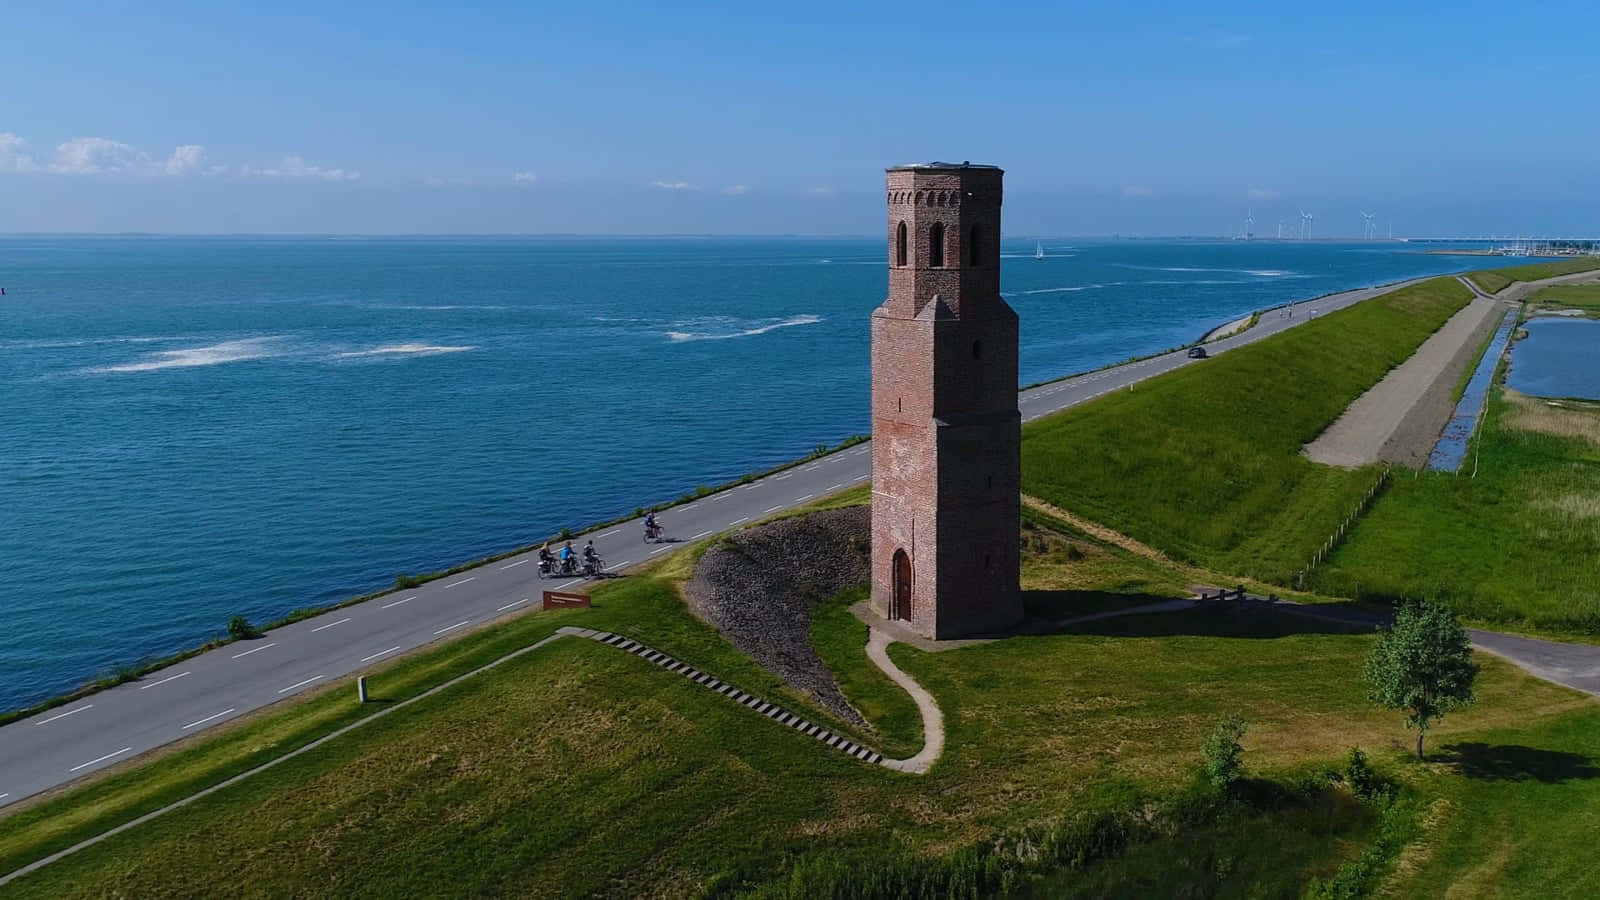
(1197, 353)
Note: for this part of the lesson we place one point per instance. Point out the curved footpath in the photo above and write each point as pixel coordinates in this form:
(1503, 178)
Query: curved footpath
(69, 742)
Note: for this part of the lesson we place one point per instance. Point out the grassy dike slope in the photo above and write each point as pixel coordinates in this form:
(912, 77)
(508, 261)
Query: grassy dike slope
(1204, 463)
(1495, 280)
(1518, 543)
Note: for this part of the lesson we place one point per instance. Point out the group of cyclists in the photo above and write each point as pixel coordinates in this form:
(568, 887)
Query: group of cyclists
(567, 561)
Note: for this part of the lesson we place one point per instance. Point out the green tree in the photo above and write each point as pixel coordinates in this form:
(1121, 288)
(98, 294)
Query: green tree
(1223, 751)
(1423, 665)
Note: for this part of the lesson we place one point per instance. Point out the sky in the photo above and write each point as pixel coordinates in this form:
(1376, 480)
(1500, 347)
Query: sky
(763, 118)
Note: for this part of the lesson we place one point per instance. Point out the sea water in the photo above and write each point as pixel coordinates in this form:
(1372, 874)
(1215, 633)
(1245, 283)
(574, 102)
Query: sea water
(192, 428)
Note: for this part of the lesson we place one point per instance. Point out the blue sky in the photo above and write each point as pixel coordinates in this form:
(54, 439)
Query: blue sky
(626, 117)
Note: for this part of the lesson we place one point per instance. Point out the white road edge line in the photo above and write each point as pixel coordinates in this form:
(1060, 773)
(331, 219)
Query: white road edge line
(571, 583)
(739, 521)
(100, 760)
(378, 654)
(513, 565)
(802, 499)
(835, 487)
(772, 509)
(207, 719)
(452, 627)
(659, 550)
(301, 683)
(256, 650)
(152, 684)
(398, 602)
(699, 536)
(514, 603)
(331, 624)
(626, 562)
(65, 714)
(461, 582)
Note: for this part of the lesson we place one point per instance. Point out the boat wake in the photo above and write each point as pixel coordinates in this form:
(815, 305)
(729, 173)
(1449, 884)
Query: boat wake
(765, 326)
(403, 350)
(211, 355)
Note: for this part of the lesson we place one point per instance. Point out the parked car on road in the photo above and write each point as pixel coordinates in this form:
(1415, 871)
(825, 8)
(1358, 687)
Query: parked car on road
(1197, 353)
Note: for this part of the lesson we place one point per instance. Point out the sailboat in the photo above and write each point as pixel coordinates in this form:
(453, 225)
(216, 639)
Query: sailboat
(1038, 252)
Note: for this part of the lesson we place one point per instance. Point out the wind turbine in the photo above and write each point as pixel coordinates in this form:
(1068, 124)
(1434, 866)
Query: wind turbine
(1369, 229)
(1307, 220)
(1249, 223)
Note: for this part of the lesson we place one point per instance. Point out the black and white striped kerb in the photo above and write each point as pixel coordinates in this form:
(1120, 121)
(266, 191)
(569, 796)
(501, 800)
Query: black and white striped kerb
(770, 710)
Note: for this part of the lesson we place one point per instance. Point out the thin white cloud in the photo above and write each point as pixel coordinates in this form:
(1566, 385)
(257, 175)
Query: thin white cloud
(99, 156)
(296, 168)
(671, 185)
(524, 178)
(734, 190)
(1136, 190)
(14, 155)
(187, 159)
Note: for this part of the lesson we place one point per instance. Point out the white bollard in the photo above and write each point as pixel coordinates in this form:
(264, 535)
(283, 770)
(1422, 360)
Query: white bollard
(361, 688)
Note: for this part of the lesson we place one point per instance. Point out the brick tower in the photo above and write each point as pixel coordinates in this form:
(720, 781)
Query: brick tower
(946, 434)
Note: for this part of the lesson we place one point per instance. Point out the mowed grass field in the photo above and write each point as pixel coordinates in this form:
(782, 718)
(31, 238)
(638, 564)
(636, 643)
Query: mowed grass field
(1204, 463)
(1495, 280)
(577, 770)
(1517, 544)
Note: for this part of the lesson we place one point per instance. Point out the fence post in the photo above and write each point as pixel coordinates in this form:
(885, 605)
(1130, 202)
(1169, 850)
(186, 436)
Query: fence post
(361, 688)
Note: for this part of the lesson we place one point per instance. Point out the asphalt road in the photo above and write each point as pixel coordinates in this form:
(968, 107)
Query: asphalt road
(69, 742)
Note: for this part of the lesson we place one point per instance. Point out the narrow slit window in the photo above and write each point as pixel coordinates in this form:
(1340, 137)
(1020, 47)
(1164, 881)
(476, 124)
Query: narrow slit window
(936, 246)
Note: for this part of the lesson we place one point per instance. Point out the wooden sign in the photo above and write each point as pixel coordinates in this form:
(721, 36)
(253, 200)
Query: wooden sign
(562, 600)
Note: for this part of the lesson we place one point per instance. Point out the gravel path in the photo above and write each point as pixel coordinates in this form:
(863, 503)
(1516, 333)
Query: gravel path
(1373, 427)
(932, 719)
(759, 586)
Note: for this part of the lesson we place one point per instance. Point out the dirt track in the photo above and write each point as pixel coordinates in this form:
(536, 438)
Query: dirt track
(1398, 418)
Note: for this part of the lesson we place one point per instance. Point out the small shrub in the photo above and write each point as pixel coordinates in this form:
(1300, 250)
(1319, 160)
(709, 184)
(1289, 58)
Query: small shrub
(240, 629)
(404, 581)
(1223, 751)
(1358, 775)
(565, 534)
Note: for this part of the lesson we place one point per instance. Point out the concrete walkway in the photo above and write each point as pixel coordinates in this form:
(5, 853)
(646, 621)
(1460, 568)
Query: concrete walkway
(932, 719)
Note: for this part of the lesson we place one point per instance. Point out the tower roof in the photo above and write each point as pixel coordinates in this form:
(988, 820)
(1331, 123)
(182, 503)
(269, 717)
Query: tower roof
(940, 165)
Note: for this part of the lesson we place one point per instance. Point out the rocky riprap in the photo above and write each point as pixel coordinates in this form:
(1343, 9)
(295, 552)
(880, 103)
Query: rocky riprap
(759, 586)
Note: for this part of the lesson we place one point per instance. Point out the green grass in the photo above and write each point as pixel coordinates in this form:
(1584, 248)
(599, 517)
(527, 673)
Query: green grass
(1204, 463)
(579, 770)
(1519, 544)
(839, 638)
(1585, 297)
(1494, 280)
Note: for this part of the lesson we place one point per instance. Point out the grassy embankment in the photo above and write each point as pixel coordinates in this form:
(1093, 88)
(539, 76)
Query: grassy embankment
(1204, 463)
(1582, 297)
(578, 770)
(1517, 544)
(1495, 280)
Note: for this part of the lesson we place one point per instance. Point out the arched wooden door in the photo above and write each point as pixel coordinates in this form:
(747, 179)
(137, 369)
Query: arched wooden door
(901, 608)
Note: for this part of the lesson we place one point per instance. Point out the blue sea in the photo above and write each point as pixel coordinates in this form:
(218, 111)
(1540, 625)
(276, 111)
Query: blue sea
(192, 428)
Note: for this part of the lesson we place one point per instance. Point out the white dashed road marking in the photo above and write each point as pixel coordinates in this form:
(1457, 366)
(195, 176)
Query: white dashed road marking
(461, 582)
(162, 681)
(563, 586)
(70, 712)
(452, 627)
(513, 603)
(330, 624)
(835, 487)
(100, 760)
(802, 499)
(739, 521)
(207, 719)
(699, 536)
(256, 650)
(611, 532)
(771, 509)
(659, 550)
(378, 654)
(513, 565)
(398, 602)
(299, 684)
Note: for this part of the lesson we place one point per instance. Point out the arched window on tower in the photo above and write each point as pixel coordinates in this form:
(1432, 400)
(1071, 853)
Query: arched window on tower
(936, 246)
(974, 243)
(900, 245)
